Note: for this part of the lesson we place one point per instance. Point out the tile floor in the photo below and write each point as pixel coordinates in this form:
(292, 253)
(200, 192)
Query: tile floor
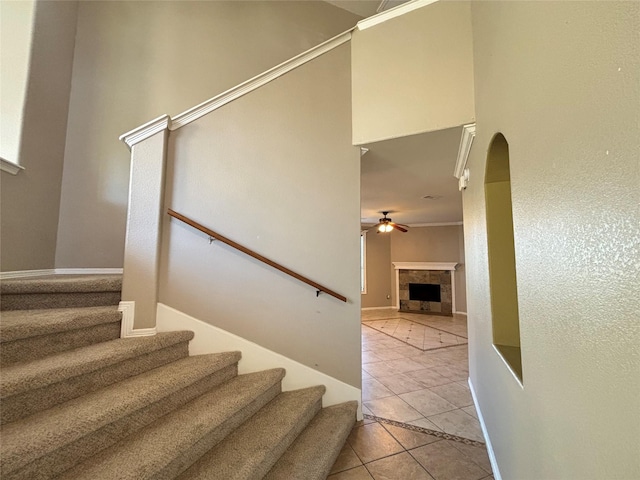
(425, 388)
(420, 422)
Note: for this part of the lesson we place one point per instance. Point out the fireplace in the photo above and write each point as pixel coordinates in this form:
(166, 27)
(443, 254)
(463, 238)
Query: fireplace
(425, 292)
(425, 287)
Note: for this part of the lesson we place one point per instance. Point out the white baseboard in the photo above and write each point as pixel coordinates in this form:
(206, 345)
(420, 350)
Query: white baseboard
(461, 313)
(210, 339)
(60, 271)
(379, 308)
(88, 271)
(126, 325)
(492, 457)
(26, 273)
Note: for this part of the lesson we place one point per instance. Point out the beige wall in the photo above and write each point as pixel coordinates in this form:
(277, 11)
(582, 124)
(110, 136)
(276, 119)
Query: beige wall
(136, 60)
(16, 28)
(561, 81)
(414, 73)
(419, 244)
(30, 201)
(274, 171)
(377, 262)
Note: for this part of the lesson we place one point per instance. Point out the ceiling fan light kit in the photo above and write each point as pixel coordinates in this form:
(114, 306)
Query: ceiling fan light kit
(386, 225)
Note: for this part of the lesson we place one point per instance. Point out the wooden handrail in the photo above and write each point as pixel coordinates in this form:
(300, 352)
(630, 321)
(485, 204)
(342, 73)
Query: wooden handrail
(255, 255)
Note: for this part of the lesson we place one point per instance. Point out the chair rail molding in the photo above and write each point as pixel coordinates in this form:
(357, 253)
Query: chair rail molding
(10, 167)
(149, 129)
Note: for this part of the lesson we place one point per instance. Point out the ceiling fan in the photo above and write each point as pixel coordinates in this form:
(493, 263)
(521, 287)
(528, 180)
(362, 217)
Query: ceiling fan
(387, 225)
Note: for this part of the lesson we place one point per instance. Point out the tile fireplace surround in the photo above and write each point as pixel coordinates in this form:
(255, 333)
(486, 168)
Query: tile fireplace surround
(435, 273)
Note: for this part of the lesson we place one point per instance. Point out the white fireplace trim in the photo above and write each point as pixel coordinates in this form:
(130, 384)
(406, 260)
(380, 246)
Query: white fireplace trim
(427, 266)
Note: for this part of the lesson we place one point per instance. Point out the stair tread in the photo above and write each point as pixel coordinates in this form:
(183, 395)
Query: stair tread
(45, 371)
(21, 324)
(317, 447)
(199, 424)
(251, 450)
(62, 284)
(25, 440)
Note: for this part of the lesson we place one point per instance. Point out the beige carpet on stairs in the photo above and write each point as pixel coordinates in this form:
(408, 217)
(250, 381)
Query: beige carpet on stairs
(79, 402)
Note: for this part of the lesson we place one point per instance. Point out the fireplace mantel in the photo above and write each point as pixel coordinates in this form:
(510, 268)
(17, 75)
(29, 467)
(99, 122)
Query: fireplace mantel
(451, 266)
(425, 265)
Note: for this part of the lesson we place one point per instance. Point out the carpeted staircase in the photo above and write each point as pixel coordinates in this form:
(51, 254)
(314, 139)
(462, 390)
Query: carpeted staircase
(80, 402)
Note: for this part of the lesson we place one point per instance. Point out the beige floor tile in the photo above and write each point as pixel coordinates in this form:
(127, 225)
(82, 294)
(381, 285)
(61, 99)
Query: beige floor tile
(451, 372)
(391, 354)
(379, 369)
(424, 423)
(358, 473)
(476, 454)
(431, 359)
(408, 438)
(454, 393)
(401, 466)
(400, 383)
(372, 442)
(372, 389)
(471, 411)
(393, 408)
(371, 356)
(458, 423)
(427, 403)
(428, 377)
(404, 365)
(445, 462)
(346, 459)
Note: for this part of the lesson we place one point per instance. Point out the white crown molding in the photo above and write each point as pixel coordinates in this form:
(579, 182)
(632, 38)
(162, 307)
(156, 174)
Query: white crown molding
(60, 271)
(126, 325)
(461, 172)
(393, 13)
(218, 101)
(441, 224)
(10, 167)
(425, 265)
(145, 131)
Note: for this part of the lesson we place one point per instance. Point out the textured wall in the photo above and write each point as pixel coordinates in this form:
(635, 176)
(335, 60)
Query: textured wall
(136, 60)
(378, 281)
(30, 200)
(413, 74)
(276, 172)
(561, 81)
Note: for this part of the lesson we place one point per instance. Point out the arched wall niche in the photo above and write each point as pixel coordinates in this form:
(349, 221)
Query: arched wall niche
(501, 254)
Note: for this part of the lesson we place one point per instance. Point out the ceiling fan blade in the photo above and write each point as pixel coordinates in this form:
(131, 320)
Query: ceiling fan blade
(398, 227)
(375, 226)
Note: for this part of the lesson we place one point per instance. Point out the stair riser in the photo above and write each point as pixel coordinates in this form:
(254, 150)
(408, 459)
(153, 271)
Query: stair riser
(27, 349)
(185, 459)
(53, 464)
(262, 466)
(21, 405)
(32, 301)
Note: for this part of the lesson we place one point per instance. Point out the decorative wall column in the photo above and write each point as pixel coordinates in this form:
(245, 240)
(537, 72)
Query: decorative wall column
(144, 223)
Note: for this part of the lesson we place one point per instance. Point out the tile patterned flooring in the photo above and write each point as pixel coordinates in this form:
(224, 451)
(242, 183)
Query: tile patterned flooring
(402, 384)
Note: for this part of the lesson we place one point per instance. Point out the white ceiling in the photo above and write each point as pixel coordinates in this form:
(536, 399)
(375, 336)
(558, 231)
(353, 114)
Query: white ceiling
(396, 174)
